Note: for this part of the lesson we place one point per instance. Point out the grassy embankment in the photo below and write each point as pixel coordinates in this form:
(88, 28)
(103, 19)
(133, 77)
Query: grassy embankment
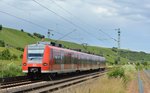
(10, 68)
(13, 39)
(117, 82)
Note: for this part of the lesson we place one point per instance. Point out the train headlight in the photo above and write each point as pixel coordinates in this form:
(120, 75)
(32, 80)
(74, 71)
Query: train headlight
(45, 64)
(24, 64)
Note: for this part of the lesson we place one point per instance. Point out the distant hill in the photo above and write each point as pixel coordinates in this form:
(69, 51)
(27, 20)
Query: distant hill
(19, 39)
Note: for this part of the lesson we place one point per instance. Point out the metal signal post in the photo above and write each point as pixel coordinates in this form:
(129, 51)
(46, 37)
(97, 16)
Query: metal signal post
(118, 42)
(49, 33)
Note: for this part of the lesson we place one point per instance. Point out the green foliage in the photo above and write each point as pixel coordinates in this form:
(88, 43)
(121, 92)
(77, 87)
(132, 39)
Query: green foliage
(16, 38)
(115, 61)
(145, 63)
(137, 64)
(142, 65)
(122, 72)
(14, 57)
(38, 35)
(117, 72)
(30, 35)
(2, 43)
(135, 56)
(19, 48)
(114, 49)
(10, 70)
(5, 55)
(19, 39)
(1, 27)
(21, 56)
(22, 30)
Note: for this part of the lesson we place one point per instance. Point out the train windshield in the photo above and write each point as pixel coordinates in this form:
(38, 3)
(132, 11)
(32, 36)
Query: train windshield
(35, 55)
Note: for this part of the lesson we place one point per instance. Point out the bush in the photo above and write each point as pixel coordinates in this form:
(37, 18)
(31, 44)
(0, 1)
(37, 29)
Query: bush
(1, 27)
(5, 55)
(114, 49)
(30, 35)
(19, 48)
(2, 43)
(11, 70)
(117, 72)
(14, 57)
(38, 35)
(22, 30)
(145, 63)
(21, 56)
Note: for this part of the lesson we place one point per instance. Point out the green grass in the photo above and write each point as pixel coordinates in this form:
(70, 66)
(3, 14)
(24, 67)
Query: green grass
(10, 68)
(16, 38)
(12, 50)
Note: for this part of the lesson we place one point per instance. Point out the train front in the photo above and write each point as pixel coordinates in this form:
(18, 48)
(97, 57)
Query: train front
(36, 59)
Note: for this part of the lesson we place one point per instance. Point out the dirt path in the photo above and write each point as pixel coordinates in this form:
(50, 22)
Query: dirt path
(133, 86)
(146, 82)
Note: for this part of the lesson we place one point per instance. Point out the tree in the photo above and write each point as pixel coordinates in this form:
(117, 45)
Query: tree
(1, 27)
(2, 43)
(38, 35)
(22, 30)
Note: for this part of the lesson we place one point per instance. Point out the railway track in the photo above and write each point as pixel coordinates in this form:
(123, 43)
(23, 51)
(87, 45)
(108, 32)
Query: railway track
(4, 86)
(44, 86)
(12, 80)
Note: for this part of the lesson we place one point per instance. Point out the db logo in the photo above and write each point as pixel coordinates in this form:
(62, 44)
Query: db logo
(34, 65)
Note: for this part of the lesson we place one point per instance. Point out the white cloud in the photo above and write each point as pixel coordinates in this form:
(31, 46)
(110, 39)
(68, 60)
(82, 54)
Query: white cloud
(106, 14)
(105, 11)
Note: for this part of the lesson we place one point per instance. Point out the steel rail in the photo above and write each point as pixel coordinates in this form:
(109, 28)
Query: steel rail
(43, 84)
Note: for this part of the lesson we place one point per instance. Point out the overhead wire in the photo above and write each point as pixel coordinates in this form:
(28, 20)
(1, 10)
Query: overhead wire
(40, 26)
(66, 35)
(81, 20)
(55, 14)
(24, 20)
(108, 35)
(29, 21)
(72, 23)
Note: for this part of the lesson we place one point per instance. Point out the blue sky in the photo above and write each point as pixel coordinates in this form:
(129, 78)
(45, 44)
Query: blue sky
(88, 16)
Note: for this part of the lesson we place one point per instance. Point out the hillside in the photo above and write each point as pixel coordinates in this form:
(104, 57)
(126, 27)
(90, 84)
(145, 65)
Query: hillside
(13, 41)
(17, 38)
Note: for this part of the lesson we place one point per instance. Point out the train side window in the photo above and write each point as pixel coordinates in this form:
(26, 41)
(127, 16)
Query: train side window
(67, 58)
(57, 57)
(75, 59)
(62, 57)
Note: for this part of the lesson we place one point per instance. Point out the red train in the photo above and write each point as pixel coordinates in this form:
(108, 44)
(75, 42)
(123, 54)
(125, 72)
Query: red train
(45, 58)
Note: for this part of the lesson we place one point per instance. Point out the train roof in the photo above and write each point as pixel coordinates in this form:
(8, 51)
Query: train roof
(41, 45)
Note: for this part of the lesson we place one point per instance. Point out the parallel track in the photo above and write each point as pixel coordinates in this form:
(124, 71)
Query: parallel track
(12, 80)
(44, 86)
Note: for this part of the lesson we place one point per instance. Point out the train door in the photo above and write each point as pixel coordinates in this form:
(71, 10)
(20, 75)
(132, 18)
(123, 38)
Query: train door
(72, 61)
(82, 62)
(78, 61)
(62, 60)
(51, 60)
(75, 61)
(57, 60)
